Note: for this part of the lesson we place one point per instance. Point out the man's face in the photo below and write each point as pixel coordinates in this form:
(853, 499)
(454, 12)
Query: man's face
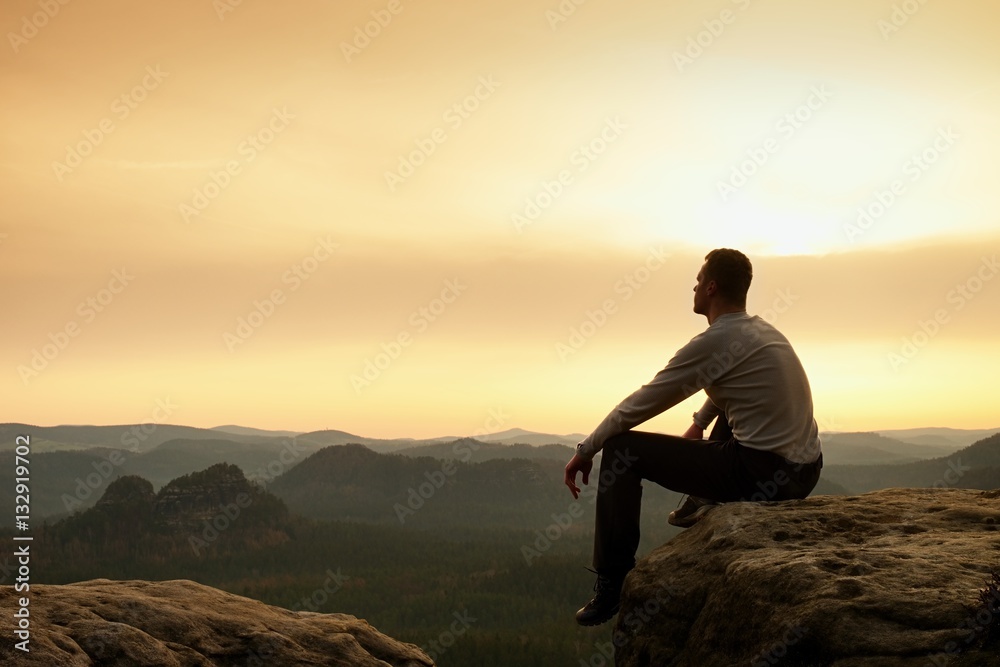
(701, 292)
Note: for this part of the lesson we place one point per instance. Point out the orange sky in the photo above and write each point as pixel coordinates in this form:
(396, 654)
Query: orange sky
(443, 203)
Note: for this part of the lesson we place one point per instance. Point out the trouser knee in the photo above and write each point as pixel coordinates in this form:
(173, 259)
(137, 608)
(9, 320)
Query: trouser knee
(617, 462)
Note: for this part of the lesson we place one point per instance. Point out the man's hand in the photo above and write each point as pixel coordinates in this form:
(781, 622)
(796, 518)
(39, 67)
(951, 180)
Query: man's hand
(694, 432)
(575, 465)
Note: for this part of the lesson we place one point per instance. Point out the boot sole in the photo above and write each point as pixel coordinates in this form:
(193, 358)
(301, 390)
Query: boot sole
(600, 620)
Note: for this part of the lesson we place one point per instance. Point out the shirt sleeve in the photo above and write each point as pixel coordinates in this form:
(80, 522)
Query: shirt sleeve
(706, 414)
(682, 377)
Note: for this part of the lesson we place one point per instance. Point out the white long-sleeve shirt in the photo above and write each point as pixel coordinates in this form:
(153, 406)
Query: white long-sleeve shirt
(750, 373)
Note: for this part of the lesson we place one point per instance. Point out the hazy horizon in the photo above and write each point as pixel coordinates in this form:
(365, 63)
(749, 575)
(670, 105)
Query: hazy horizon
(265, 215)
(503, 432)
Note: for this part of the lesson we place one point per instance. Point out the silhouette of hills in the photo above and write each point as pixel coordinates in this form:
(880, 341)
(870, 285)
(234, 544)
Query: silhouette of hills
(215, 508)
(938, 435)
(73, 465)
(235, 429)
(259, 461)
(352, 482)
(470, 450)
(974, 467)
(135, 437)
(874, 448)
(145, 437)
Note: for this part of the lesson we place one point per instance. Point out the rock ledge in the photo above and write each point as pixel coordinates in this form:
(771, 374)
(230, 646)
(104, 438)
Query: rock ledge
(886, 579)
(180, 623)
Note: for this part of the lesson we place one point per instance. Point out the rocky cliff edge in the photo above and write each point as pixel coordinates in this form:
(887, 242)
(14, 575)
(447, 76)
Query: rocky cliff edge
(182, 623)
(893, 578)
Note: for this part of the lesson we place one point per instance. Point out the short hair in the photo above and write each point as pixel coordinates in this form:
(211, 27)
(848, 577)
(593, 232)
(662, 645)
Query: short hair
(732, 273)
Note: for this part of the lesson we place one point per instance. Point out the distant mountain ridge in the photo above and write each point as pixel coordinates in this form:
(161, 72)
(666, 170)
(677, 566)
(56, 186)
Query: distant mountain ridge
(144, 437)
(468, 449)
(974, 467)
(246, 430)
(73, 465)
(133, 437)
(520, 436)
(938, 435)
(874, 448)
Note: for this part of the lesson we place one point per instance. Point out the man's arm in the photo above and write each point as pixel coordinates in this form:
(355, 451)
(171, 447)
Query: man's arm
(701, 420)
(694, 432)
(706, 414)
(683, 376)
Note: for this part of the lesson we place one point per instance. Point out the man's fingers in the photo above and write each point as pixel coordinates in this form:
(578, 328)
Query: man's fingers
(569, 479)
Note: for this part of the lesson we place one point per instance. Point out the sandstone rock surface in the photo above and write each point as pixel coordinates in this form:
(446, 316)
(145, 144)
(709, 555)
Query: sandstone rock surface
(180, 623)
(885, 579)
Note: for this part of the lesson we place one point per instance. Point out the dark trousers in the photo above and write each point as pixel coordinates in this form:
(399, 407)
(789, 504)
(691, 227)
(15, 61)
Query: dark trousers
(720, 469)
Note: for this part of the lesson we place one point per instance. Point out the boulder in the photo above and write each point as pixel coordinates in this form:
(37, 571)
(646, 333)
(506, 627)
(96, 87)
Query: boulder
(893, 578)
(180, 623)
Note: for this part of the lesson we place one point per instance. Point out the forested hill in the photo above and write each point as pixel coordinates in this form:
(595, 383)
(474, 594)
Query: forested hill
(354, 483)
(215, 509)
(974, 467)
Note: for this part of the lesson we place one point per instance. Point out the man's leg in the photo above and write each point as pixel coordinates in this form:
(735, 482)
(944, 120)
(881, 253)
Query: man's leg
(719, 469)
(696, 467)
(693, 508)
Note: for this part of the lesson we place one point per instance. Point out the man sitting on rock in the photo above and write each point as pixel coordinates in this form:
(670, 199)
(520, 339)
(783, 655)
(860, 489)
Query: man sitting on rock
(765, 444)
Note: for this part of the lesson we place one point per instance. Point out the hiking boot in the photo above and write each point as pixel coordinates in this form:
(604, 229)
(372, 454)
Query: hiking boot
(606, 601)
(690, 512)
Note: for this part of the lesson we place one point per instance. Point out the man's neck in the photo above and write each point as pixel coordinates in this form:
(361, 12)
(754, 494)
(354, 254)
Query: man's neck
(715, 312)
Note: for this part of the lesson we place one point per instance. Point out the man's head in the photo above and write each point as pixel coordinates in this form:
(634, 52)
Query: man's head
(724, 279)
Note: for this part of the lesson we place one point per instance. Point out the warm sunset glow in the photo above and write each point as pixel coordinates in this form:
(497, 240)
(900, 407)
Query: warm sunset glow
(275, 220)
